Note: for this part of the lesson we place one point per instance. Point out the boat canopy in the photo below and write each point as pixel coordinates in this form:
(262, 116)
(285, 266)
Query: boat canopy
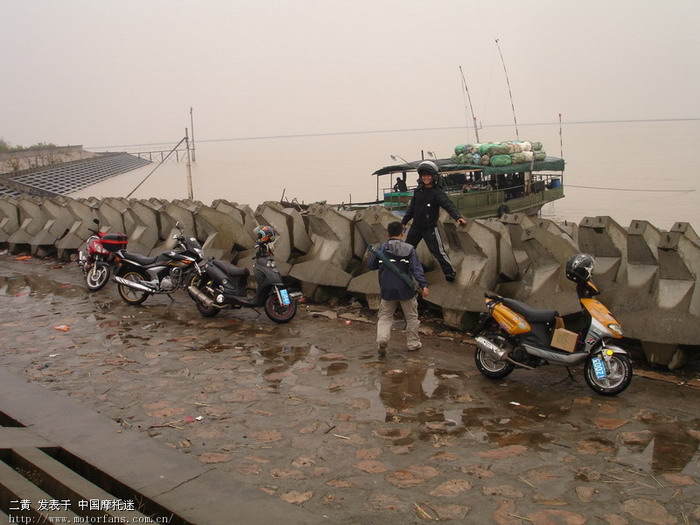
(447, 165)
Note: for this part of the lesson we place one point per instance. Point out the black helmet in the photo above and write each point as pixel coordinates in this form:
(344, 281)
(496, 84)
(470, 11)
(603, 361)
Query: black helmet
(579, 268)
(428, 166)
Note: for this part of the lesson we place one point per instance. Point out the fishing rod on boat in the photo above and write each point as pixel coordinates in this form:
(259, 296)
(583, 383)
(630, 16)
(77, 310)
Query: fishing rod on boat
(561, 139)
(471, 108)
(509, 91)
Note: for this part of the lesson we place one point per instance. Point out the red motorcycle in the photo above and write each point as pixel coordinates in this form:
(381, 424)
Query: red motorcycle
(97, 258)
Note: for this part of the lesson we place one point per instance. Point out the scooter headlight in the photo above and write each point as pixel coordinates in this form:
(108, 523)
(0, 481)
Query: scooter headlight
(616, 329)
(220, 299)
(271, 264)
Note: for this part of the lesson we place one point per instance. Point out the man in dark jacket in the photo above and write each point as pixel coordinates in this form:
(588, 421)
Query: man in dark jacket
(397, 287)
(424, 209)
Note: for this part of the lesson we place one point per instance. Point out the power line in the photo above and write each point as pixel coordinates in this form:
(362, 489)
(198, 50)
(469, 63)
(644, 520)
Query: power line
(400, 130)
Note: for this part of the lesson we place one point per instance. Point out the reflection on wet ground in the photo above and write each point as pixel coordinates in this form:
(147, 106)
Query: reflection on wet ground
(34, 285)
(278, 395)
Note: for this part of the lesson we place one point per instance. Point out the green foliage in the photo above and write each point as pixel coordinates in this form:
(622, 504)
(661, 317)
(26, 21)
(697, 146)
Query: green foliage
(7, 146)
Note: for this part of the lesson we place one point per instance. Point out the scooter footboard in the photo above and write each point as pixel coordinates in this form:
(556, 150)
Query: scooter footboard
(557, 357)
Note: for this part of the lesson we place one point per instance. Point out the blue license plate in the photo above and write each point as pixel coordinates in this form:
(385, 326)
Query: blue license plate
(284, 294)
(599, 368)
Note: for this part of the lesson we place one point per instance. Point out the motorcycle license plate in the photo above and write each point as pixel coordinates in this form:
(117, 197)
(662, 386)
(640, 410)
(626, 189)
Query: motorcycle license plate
(284, 294)
(599, 368)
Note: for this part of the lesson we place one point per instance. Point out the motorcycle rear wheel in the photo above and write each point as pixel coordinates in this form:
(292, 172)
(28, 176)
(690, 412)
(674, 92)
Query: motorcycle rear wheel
(130, 295)
(487, 365)
(97, 276)
(206, 311)
(618, 378)
(278, 312)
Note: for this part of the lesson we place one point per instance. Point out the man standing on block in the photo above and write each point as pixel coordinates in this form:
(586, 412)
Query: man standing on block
(397, 262)
(424, 209)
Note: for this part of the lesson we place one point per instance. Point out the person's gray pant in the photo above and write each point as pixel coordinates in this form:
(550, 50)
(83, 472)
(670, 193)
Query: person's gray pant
(386, 321)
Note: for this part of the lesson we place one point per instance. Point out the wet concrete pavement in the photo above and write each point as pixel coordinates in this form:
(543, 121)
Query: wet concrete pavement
(308, 413)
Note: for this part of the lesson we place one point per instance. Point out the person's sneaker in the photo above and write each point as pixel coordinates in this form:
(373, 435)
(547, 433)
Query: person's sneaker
(381, 347)
(450, 277)
(415, 348)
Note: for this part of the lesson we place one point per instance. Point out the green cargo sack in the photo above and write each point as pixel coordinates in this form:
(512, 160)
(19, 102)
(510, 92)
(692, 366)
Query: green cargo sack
(536, 146)
(498, 149)
(484, 148)
(461, 149)
(540, 155)
(518, 158)
(501, 160)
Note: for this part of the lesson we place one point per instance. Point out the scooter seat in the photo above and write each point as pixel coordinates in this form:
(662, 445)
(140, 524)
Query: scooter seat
(143, 260)
(531, 314)
(230, 270)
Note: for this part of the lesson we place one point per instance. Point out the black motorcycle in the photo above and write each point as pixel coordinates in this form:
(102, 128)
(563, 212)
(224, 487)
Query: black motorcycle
(139, 276)
(224, 285)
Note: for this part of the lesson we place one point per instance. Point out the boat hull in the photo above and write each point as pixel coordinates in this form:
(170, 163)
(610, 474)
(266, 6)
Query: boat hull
(484, 204)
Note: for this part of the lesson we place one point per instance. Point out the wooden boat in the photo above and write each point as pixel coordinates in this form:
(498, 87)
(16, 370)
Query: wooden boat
(479, 191)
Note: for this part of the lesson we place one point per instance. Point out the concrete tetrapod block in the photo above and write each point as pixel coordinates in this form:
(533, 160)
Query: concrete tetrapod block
(301, 242)
(244, 223)
(320, 273)
(669, 315)
(473, 250)
(58, 223)
(679, 260)
(9, 217)
(111, 219)
(606, 241)
(32, 219)
(331, 234)
(173, 213)
(507, 265)
(81, 216)
(543, 283)
(216, 228)
(142, 229)
(567, 230)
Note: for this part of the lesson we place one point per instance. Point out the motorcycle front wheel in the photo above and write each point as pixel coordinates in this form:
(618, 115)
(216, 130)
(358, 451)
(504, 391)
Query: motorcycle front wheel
(278, 312)
(489, 365)
(97, 276)
(618, 375)
(131, 295)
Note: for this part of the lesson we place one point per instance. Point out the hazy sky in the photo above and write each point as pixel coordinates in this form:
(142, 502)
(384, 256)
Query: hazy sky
(108, 73)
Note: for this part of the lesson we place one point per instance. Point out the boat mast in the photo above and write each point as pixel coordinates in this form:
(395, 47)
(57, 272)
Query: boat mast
(509, 92)
(471, 109)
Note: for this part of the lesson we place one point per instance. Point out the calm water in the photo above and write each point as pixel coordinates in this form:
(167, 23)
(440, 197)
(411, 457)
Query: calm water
(627, 170)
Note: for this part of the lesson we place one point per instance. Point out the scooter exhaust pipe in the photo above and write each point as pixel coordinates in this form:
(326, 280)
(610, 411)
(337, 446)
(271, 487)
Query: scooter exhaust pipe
(497, 352)
(198, 295)
(487, 346)
(136, 286)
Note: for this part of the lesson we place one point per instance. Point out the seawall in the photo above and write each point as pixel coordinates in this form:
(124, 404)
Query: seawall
(648, 277)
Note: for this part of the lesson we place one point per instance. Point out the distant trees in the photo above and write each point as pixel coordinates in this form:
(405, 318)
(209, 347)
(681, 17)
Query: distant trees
(7, 146)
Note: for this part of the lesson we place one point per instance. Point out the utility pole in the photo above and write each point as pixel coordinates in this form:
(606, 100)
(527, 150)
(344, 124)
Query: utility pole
(190, 193)
(194, 159)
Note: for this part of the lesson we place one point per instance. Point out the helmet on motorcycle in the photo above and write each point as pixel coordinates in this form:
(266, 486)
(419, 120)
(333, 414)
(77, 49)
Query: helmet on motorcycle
(265, 234)
(428, 167)
(579, 268)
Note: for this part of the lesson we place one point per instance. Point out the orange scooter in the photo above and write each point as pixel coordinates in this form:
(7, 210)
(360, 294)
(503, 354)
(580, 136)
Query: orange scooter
(511, 333)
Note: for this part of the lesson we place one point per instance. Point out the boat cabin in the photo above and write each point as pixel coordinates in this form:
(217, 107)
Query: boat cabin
(479, 191)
